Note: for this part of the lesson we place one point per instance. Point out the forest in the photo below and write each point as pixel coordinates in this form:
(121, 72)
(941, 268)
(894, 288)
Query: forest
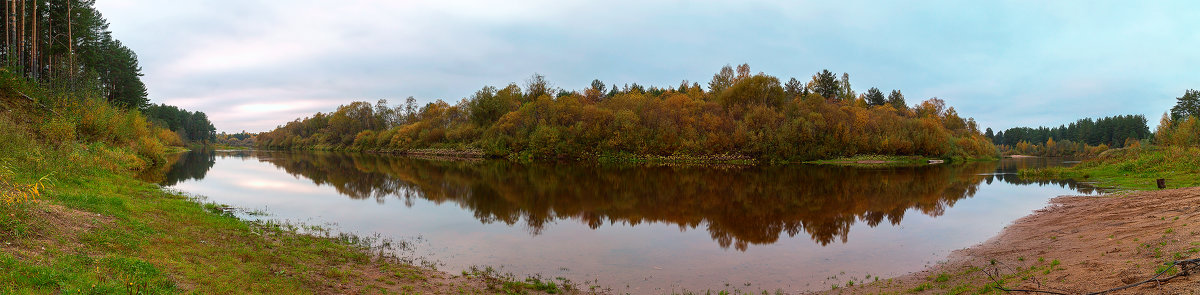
(190, 126)
(739, 115)
(65, 48)
(1084, 137)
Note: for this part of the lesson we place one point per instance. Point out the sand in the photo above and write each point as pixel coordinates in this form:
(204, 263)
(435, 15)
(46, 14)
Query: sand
(1099, 242)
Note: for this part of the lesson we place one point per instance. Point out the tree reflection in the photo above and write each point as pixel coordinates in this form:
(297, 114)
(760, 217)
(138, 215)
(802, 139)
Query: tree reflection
(181, 167)
(738, 206)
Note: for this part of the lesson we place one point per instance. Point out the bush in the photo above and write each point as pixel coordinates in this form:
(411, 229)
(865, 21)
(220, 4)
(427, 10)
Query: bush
(58, 131)
(168, 137)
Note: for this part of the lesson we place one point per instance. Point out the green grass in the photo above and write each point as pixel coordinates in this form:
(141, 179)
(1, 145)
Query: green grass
(156, 238)
(98, 230)
(876, 161)
(1132, 168)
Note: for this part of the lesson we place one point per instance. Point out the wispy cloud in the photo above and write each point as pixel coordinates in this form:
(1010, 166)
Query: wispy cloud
(255, 64)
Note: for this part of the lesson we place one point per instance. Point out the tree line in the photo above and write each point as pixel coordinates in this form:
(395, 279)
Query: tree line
(240, 139)
(190, 126)
(65, 46)
(739, 115)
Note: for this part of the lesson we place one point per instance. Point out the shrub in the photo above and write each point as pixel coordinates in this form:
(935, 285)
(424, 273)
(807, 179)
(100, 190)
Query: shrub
(168, 137)
(58, 131)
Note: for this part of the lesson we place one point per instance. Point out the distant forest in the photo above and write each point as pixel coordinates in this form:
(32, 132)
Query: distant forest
(1082, 138)
(191, 126)
(739, 115)
(66, 47)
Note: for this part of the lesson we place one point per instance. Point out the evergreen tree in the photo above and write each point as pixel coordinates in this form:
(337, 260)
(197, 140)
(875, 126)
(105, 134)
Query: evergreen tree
(794, 88)
(598, 85)
(875, 97)
(896, 99)
(825, 84)
(1186, 105)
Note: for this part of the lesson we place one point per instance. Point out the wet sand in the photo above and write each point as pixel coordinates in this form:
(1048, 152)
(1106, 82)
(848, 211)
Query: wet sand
(1075, 245)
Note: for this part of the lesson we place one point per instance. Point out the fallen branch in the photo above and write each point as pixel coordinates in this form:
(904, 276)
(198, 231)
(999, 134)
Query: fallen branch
(34, 101)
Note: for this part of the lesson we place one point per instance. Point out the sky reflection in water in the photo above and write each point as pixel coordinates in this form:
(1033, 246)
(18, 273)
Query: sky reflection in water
(648, 228)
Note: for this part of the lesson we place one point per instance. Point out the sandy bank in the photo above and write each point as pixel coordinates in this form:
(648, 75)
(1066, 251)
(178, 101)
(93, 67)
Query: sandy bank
(1075, 245)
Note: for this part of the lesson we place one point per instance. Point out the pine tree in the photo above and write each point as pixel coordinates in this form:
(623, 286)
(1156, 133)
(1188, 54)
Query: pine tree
(1186, 105)
(875, 97)
(825, 84)
(896, 99)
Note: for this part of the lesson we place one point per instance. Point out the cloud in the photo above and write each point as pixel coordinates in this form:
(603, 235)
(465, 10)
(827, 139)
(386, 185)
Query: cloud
(253, 65)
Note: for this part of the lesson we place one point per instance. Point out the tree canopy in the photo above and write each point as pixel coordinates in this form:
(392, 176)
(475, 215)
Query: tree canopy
(68, 44)
(191, 126)
(740, 116)
(1187, 105)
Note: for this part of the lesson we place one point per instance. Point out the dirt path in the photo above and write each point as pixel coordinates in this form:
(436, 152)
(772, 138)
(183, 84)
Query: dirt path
(1075, 245)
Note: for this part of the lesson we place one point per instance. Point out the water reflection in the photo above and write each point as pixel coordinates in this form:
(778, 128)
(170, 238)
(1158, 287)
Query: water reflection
(738, 206)
(181, 167)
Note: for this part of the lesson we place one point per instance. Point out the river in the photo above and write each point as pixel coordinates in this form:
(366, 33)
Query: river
(636, 229)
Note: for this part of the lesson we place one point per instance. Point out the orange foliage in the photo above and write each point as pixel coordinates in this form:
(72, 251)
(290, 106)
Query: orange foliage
(751, 117)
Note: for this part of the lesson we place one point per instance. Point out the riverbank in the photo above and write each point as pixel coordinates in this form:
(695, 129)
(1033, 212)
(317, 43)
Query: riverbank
(109, 233)
(1132, 168)
(73, 219)
(876, 161)
(1083, 244)
(1076, 244)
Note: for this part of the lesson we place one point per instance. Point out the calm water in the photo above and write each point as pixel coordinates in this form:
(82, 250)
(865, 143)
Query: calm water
(637, 229)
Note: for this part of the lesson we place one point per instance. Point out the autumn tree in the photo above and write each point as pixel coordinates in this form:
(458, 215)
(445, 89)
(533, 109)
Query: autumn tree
(537, 86)
(486, 107)
(721, 80)
(754, 90)
(745, 116)
(743, 72)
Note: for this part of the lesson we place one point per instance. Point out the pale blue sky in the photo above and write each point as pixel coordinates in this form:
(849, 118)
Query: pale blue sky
(255, 64)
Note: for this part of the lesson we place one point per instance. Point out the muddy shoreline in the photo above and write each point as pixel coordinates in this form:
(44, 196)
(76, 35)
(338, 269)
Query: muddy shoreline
(1075, 245)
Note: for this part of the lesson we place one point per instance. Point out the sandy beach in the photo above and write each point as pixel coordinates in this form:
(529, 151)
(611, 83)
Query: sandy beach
(1075, 245)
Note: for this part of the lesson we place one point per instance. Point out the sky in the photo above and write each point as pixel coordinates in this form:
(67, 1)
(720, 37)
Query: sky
(255, 64)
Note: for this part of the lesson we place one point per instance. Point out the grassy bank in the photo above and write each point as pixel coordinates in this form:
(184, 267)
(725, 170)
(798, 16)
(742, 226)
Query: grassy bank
(1132, 168)
(875, 161)
(73, 219)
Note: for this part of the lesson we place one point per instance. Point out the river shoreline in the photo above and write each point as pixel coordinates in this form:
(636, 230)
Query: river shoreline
(1076, 244)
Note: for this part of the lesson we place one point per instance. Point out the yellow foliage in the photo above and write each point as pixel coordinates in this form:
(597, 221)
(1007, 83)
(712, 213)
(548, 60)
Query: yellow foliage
(58, 131)
(168, 137)
(14, 193)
